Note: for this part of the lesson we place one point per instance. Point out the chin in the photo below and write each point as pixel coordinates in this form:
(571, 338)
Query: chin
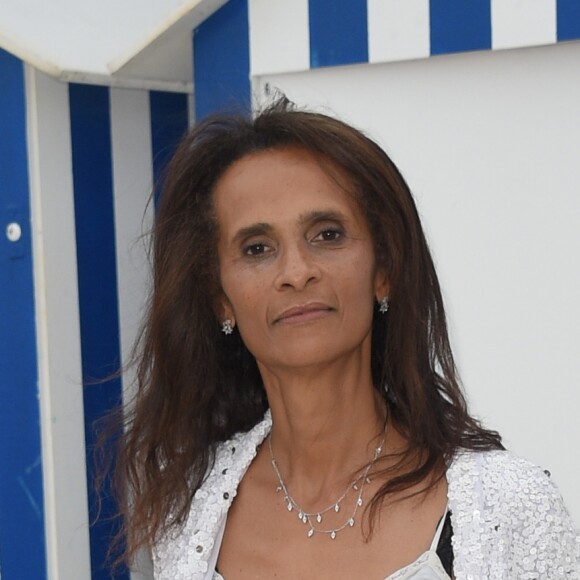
(311, 353)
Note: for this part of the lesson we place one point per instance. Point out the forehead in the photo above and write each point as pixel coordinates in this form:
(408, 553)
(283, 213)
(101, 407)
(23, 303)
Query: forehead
(274, 185)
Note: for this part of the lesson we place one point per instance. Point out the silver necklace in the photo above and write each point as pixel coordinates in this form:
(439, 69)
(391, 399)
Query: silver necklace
(313, 519)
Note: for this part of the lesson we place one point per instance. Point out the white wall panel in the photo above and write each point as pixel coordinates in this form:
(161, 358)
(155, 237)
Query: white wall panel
(398, 29)
(58, 331)
(517, 23)
(489, 143)
(132, 182)
(279, 36)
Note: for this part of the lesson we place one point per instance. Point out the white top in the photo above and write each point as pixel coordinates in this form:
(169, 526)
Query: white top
(427, 566)
(509, 520)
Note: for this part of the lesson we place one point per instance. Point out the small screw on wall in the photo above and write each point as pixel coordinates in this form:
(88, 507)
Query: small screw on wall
(13, 232)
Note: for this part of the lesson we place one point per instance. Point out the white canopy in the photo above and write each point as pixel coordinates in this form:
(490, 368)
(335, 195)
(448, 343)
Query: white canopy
(141, 43)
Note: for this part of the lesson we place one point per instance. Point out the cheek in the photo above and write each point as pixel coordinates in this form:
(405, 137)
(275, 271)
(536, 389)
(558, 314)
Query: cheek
(357, 278)
(246, 295)
(249, 303)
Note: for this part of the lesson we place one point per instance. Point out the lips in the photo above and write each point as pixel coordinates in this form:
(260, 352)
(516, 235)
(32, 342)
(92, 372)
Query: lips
(303, 313)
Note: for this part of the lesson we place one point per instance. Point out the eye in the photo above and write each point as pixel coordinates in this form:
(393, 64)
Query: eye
(255, 249)
(329, 235)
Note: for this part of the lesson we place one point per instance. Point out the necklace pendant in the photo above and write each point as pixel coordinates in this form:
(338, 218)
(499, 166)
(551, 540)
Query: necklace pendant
(308, 519)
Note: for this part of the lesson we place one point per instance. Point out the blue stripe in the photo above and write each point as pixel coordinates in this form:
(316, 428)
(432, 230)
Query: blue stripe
(169, 121)
(97, 281)
(221, 55)
(568, 15)
(22, 549)
(338, 32)
(460, 25)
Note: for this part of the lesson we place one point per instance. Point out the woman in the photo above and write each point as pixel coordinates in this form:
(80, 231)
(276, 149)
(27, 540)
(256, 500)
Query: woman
(299, 413)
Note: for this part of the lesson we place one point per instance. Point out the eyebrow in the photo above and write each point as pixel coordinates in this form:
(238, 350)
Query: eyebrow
(258, 229)
(262, 228)
(321, 216)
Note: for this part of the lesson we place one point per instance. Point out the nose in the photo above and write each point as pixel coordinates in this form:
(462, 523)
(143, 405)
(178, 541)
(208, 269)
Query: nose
(297, 268)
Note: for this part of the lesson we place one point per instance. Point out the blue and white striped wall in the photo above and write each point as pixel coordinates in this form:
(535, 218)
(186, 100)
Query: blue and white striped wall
(300, 35)
(77, 167)
(249, 38)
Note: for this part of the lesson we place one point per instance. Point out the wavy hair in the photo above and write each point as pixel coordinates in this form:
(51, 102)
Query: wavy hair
(197, 388)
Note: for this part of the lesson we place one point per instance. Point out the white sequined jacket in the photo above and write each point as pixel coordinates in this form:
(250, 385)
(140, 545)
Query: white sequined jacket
(509, 520)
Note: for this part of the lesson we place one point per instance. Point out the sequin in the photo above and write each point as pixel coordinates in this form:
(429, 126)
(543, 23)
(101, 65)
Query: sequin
(509, 520)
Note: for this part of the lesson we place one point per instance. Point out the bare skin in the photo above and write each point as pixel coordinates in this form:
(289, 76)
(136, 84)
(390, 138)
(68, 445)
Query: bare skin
(299, 279)
(263, 540)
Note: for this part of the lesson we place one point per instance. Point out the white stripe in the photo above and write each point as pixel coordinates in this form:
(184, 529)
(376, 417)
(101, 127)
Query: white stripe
(132, 185)
(517, 23)
(279, 36)
(132, 182)
(398, 29)
(57, 327)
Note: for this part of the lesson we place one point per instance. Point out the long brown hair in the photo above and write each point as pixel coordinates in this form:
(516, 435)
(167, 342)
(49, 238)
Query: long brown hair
(197, 387)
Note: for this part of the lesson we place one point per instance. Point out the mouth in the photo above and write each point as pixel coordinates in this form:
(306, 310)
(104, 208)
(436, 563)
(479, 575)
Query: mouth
(304, 313)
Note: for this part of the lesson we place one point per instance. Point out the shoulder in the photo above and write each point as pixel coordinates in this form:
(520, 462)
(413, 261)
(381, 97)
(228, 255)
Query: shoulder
(500, 482)
(511, 517)
(499, 468)
(504, 481)
(233, 457)
(189, 552)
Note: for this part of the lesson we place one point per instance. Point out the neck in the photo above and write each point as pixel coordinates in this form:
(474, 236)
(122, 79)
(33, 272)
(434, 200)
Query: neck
(327, 423)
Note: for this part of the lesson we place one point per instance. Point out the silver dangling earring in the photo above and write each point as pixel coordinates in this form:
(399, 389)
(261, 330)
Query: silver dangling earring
(227, 327)
(383, 304)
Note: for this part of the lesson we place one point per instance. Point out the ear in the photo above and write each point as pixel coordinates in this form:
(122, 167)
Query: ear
(224, 310)
(382, 285)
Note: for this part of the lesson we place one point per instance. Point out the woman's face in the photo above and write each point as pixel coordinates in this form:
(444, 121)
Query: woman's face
(296, 260)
